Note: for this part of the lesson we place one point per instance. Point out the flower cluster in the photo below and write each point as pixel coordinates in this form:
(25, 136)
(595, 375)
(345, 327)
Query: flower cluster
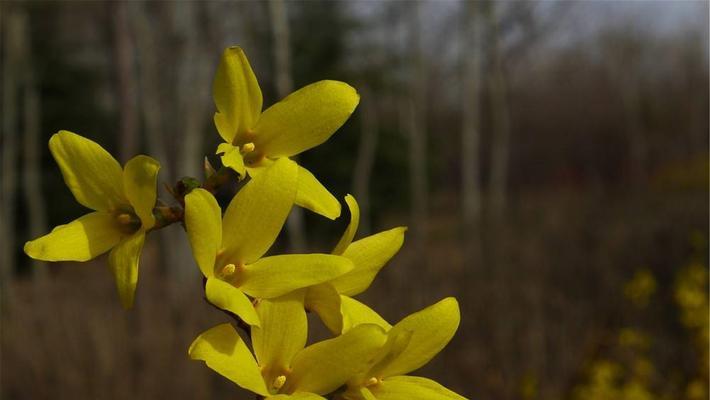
(268, 296)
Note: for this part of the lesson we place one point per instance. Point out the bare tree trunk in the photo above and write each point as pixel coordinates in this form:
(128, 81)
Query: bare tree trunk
(365, 161)
(500, 151)
(416, 117)
(284, 86)
(32, 154)
(124, 56)
(13, 28)
(471, 136)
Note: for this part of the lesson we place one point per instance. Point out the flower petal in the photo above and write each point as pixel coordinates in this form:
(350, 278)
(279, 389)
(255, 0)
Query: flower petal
(356, 313)
(227, 297)
(349, 233)
(224, 352)
(140, 177)
(232, 158)
(305, 118)
(257, 213)
(236, 94)
(123, 261)
(431, 329)
(314, 196)
(296, 396)
(203, 221)
(283, 333)
(369, 256)
(275, 276)
(412, 387)
(324, 300)
(90, 172)
(80, 240)
(325, 366)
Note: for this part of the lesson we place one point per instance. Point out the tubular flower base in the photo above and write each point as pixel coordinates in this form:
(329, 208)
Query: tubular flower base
(367, 358)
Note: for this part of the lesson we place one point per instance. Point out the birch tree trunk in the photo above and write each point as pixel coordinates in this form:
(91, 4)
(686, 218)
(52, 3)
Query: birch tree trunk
(416, 125)
(471, 135)
(284, 86)
(32, 154)
(124, 56)
(13, 43)
(500, 150)
(366, 156)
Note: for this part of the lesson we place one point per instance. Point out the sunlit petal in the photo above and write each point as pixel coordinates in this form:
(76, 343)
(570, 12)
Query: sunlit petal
(90, 172)
(412, 387)
(305, 118)
(431, 329)
(369, 256)
(275, 276)
(314, 196)
(324, 300)
(80, 240)
(350, 231)
(325, 366)
(232, 158)
(123, 261)
(203, 221)
(283, 333)
(296, 396)
(355, 313)
(236, 94)
(227, 297)
(257, 213)
(224, 352)
(140, 177)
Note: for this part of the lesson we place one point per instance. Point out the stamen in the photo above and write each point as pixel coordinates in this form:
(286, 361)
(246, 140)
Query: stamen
(279, 382)
(124, 219)
(372, 382)
(228, 270)
(247, 148)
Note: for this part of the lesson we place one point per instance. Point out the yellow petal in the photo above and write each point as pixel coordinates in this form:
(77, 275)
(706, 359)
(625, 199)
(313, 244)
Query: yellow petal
(305, 118)
(283, 333)
(296, 396)
(324, 300)
(257, 213)
(412, 387)
(275, 276)
(232, 158)
(123, 261)
(224, 127)
(355, 313)
(349, 233)
(236, 94)
(369, 256)
(325, 366)
(140, 177)
(203, 221)
(431, 329)
(80, 240)
(227, 297)
(90, 172)
(314, 196)
(224, 352)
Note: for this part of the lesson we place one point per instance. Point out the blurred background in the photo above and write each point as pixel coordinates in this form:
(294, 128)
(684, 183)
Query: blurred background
(549, 157)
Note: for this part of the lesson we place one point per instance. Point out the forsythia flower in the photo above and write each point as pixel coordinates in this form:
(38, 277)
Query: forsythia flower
(122, 200)
(283, 368)
(331, 300)
(411, 343)
(229, 250)
(302, 120)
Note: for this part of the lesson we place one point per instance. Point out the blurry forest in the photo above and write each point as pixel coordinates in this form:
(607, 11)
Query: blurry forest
(550, 159)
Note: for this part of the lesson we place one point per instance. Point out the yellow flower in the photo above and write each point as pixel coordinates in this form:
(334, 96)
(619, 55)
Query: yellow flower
(122, 200)
(411, 343)
(331, 300)
(283, 368)
(302, 120)
(229, 250)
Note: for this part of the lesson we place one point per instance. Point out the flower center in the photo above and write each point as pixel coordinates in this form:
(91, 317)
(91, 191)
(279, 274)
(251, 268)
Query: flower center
(128, 221)
(372, 381)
